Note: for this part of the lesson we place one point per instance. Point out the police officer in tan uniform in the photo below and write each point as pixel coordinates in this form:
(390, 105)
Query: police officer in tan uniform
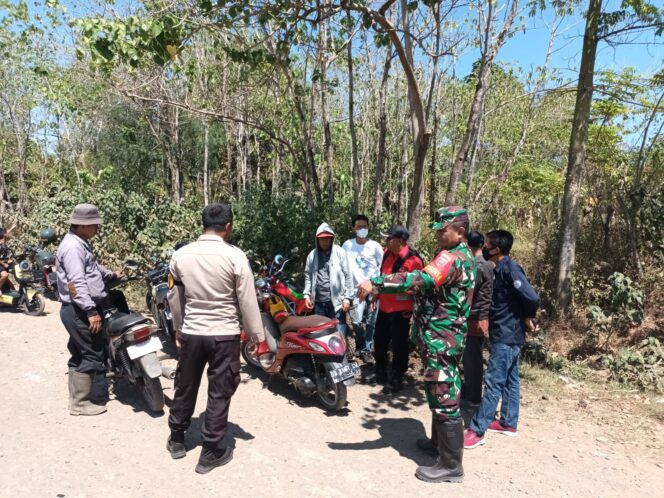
(212, 295)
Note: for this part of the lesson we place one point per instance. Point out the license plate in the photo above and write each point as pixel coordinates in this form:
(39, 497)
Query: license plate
(138, 350)
(345, 372)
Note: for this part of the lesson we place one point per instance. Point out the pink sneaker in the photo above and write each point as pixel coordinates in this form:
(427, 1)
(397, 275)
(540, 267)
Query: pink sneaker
(472, 440)
(496, 426)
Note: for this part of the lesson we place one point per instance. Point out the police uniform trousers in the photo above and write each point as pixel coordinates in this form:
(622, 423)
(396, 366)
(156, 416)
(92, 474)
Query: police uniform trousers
(221, 355)
(88, 351)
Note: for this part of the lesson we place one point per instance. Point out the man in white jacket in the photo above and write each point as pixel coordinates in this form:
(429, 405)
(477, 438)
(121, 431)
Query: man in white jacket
(328, 282)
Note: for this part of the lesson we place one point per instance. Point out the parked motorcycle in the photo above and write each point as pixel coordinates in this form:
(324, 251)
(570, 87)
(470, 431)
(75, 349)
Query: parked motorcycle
(43, 263)
(28, 296)
(293, 297)
(156, 298)
(133, 344)
(308, 351)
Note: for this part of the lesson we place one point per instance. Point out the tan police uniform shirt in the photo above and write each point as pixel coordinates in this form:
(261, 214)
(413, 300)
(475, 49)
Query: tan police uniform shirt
(212, 290)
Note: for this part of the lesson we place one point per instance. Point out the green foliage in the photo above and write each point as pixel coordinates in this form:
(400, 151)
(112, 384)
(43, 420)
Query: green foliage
(284, 224)
(621, 309)
(652, 222)
(641, 366)
(134, 226)
(131, 40)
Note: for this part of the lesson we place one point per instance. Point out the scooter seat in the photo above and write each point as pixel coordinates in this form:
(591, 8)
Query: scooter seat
(119, 322)
(306, 323)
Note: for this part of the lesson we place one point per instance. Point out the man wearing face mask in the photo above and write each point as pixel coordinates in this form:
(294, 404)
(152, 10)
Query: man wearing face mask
(364, 259)
(513, 308)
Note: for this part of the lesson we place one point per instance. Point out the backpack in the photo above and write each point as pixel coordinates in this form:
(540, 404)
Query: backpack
(399, 262)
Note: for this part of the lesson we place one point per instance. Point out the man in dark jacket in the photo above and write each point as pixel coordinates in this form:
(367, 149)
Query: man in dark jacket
(514, 305)
(478, 323)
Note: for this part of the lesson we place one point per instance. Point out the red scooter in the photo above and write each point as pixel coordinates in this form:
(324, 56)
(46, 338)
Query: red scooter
(308, 351)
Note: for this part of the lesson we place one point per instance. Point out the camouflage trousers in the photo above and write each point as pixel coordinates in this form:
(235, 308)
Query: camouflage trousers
(441, 351)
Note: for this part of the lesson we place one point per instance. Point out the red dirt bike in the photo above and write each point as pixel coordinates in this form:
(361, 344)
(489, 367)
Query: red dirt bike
(308, 351)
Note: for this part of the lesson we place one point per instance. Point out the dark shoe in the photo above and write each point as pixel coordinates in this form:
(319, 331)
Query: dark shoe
(449, 465)
(211, 458)
(176, 448)
(368, 358)
(393, 387)
(429, 445)
(370, 379)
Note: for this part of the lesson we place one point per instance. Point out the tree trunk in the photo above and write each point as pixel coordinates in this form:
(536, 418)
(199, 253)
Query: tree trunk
(420, 134)
(382, 135)
(173, 162)
(491, 48)
(206, 171)
(576, 159)
(356, 171)
(328, 148)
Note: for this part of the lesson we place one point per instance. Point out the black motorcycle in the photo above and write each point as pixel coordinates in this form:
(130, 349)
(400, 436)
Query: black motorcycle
(42, 261)
(156, 298)
(133, 345)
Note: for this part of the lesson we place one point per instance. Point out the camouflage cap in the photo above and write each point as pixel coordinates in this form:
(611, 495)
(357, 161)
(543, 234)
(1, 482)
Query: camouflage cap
(447, 215)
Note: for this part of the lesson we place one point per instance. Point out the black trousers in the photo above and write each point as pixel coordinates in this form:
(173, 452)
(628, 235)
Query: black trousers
(473, 369)
(221, 354)
(88, 351)
(392, 329)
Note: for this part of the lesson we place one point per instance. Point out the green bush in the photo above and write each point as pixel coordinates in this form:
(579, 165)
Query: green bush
(620, 309)
(642, 366)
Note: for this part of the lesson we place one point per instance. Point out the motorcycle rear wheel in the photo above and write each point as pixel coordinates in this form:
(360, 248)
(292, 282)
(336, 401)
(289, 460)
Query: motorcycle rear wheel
(165, 325)
(35, 306)
(152, 393)
(248, 352)
(334, 396)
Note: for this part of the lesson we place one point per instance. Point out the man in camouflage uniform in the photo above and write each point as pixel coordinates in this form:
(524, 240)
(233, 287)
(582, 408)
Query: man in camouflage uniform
(443, 294)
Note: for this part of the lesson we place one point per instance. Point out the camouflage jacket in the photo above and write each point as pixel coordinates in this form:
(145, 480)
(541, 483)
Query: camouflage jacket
(443, 293)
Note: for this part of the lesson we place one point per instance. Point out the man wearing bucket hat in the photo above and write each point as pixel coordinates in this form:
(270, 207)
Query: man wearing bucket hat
(443, 293)
(82, 281)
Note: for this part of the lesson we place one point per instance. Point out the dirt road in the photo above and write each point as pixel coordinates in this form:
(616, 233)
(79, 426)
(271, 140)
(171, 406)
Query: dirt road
(286, 445)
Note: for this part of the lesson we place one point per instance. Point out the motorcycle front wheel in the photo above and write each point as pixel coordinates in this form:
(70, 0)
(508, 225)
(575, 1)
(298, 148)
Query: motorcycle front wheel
(152, 393)
(35, 306)
(248, 352)
(332, 396)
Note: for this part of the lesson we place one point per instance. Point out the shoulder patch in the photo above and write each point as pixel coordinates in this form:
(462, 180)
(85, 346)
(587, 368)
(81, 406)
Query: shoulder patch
(172, 282)
(517, 284)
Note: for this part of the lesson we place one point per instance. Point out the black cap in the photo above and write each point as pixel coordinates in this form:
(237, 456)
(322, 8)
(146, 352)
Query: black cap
(475, 239)
(396, 232)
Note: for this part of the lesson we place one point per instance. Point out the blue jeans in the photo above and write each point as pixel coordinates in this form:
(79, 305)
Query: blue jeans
(364, 338)
(326, 308)
(501, 379)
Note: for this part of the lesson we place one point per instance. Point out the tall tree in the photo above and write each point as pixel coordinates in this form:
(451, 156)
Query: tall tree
(490, 43)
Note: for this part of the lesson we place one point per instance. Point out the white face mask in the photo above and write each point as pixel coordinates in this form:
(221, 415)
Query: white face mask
(362, 233)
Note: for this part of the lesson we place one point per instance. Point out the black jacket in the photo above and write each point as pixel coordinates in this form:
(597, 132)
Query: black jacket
(483, 292)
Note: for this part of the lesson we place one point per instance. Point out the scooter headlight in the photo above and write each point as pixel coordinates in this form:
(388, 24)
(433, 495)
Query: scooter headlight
(337, 345)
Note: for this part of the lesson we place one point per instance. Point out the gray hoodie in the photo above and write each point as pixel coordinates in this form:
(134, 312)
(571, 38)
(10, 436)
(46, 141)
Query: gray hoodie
(341, 278)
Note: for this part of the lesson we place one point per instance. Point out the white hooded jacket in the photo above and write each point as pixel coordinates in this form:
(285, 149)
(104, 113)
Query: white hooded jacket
(341, 278)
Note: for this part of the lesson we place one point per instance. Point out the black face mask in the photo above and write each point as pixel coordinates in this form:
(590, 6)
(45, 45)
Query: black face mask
(486, 253)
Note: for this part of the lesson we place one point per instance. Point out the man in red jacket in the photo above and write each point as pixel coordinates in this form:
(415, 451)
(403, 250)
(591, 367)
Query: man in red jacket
(393, 322)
